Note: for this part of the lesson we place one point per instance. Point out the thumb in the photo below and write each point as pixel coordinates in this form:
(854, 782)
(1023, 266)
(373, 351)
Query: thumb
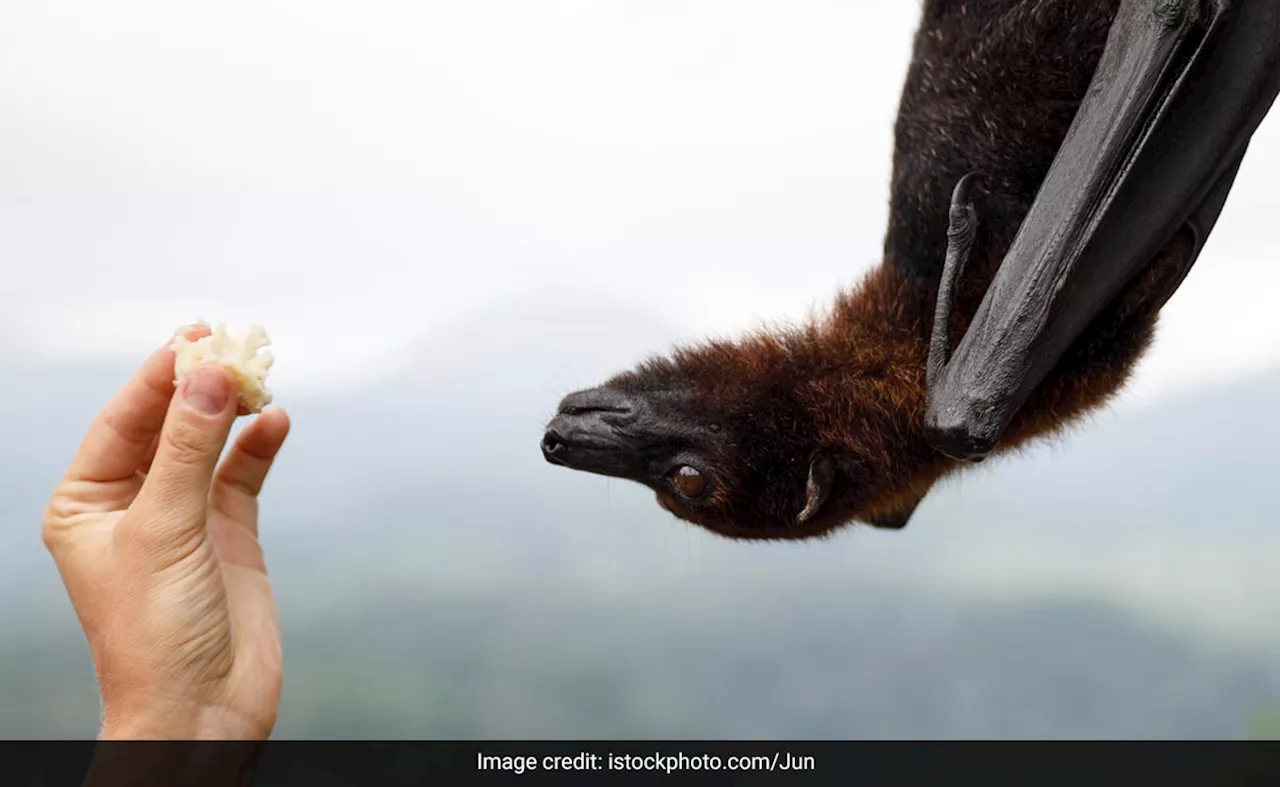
(172, 503)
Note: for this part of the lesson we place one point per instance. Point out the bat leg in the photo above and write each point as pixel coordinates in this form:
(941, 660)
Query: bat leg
(952, 437)
(962, 230)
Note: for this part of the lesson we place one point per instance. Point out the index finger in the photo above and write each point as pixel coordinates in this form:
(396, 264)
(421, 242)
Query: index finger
(120, 440)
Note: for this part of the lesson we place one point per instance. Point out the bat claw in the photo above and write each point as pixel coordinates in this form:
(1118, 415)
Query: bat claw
(960, 195)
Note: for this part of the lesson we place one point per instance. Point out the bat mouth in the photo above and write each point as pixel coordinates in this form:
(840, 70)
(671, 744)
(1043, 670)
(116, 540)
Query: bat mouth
(567, 449)
(1153, 149)
(566, 445)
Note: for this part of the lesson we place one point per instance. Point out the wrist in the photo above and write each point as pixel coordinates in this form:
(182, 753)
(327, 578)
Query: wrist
(180, 721)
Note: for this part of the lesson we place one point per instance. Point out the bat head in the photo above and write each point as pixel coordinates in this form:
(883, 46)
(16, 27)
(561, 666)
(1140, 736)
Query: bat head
(730, 437)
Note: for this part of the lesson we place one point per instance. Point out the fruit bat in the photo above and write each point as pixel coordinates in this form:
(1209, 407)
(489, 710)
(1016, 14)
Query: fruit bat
(1057, 168)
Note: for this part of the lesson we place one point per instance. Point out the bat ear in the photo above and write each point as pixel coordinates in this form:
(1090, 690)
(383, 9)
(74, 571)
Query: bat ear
(900, 516)
(822, 476)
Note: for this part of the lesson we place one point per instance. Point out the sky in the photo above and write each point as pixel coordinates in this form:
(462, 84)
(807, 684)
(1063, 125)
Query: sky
(368, 180)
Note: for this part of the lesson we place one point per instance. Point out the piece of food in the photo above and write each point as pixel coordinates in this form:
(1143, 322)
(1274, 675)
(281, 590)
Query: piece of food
(244, 356)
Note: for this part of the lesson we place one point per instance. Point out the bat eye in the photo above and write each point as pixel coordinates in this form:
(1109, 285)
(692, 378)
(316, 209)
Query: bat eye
(689, 481)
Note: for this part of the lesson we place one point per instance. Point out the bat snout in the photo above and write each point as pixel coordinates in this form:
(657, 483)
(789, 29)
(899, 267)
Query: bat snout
(603, 401)
(589, 433)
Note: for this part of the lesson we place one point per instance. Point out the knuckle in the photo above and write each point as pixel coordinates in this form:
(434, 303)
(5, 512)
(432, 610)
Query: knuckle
(241, 485)
(59, 515)
(189, 446)
(155, 540)
(62, 506)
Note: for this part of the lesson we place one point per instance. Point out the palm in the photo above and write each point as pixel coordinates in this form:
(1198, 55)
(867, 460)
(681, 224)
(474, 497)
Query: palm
(225, 602)
(218, 587)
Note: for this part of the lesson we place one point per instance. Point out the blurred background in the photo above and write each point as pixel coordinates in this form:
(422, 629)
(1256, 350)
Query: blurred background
(448, 215)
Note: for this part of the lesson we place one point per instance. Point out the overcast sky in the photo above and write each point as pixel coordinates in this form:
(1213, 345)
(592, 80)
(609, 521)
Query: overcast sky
(361, 178)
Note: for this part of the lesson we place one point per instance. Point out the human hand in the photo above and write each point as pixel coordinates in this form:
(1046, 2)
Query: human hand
(157, 545)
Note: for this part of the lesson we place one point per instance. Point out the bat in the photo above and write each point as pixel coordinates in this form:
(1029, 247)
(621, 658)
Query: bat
(1057, 167)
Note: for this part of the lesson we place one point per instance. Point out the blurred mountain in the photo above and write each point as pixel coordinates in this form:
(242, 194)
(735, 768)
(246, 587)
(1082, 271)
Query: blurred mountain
(1203, 460)
(437, 578)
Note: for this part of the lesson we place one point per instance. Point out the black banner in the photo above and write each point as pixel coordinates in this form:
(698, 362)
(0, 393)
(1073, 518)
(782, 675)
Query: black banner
(904, 764)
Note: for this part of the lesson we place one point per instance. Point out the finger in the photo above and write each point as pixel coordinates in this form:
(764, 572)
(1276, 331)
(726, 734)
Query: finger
(150, 456)
(240, 477)
(120, 438)
(174, 498)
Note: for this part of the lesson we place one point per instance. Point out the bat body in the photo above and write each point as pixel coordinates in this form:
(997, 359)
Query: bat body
(1050, 192)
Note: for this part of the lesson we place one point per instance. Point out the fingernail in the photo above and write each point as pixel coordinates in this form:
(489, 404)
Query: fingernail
(208, 391)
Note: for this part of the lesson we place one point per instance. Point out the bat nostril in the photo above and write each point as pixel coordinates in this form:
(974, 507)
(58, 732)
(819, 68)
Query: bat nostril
(552, 443)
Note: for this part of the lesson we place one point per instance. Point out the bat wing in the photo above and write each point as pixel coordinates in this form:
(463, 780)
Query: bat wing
(1154, 148)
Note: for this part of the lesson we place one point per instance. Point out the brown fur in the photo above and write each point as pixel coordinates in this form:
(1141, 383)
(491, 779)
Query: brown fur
(853, 385)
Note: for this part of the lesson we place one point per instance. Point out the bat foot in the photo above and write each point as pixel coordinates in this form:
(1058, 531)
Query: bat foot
(953, 427)
(961, 233)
